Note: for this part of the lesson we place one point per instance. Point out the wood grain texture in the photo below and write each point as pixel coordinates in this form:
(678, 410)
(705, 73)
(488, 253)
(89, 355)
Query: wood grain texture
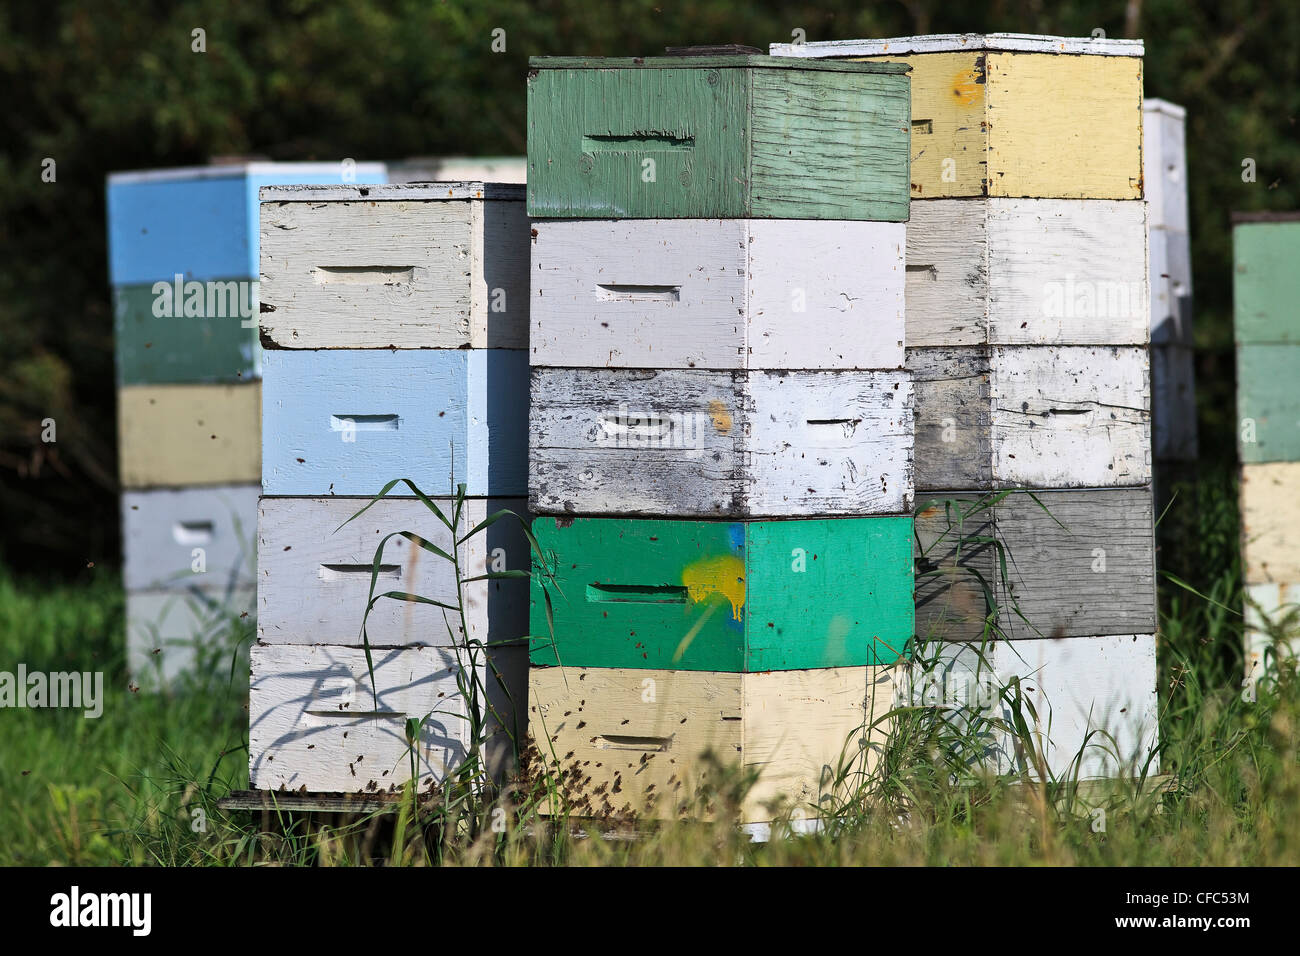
(1171, 287)
(717, 294)
(697, 138)
(314, 723)
(1026, 272)
(423, 273)
(1078, 564)
(1095, 698)
(1164, 164)
(724, 596)
(178, 435)
(199, 222)
(189, 538)
(1266, 282)
(170, 633)
(1270, 522)
(316, 571)
(1268, 402)
(986, 117)
(1073, 417)
(1031, 416)
(175, 348)
(1173, 403)
(440, 417)
(699, 443)
(648, 741)
(1272, 633)
(950, 42)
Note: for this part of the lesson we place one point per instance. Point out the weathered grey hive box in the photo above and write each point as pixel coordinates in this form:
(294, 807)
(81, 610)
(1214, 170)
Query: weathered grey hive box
(1031, 416)
(1027, 272)
(730, 136)
(1007, 114)
(701, 443)
(189, 538)
(717, 293)
(1066, 564)
(1164, 163)
(433, 265)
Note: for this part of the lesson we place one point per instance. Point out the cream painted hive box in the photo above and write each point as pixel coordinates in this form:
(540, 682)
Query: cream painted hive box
(657, 742)
(1014, 115)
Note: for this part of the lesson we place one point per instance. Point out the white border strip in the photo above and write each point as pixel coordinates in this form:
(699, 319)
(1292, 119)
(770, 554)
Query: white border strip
(957, 42)
(226, 171)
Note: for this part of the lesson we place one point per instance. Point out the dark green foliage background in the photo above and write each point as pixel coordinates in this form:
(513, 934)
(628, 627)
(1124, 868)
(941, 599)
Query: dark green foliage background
(113, 85)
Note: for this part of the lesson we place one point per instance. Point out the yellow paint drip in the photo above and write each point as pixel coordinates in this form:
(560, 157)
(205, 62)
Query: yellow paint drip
(724, 574)
(721, 417)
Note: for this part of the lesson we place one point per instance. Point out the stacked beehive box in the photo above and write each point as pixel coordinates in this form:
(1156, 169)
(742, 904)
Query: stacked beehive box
(720, 423)
(1266, 253)
(183, 265)
(1173, 378)
(424, 169)
(1027, 333)
(395, 320)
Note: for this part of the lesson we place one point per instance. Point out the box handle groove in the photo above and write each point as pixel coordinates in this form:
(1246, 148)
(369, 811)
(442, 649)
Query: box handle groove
(340, 572)
(364, 275)
(615, 292)
(364, 423)
(654, 745)
(645, 141)
(636, 594)
(193, 532)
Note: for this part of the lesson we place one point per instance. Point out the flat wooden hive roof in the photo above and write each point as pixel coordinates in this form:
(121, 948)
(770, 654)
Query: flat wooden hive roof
(227, 170)
(726, 61)
(393, 192)
(957, 42)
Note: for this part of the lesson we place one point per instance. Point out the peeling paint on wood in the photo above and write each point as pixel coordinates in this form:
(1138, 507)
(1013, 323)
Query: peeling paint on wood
(1068, 417)
(424, 271)
(717, 294)
(697, 443)
(724, 596)
(1027, 272)
(641, 740)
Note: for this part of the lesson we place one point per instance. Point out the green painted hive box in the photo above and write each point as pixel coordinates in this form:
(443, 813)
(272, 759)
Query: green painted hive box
(159, 343)
(1266, 279)
(735, 596)
(727, 137)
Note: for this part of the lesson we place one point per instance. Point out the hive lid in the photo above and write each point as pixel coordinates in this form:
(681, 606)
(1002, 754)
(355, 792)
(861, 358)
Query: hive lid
(1153, 105)
(1287, 216)
(958, 42)
(229, 170)
(690, 61)
(392, 192)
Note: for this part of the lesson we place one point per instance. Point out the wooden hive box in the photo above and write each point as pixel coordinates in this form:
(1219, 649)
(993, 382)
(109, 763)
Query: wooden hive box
(436, 265)
(1095, 700)
(1164, 164)
(189, 538)
(183, 254)
(1171, 288)
(348, 421)
(700, 443)
(722, 596)
(1032, 417)
(717, 294)
(726, 137)
(1078, 564)
(987, 116)
(315, 725)
(177, 435)
(316, 571)
(446, 169)
(1270, 522)
(1027, 272)
(1266, 280)
(170, 632)
(652, 742)
(1272, 627)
